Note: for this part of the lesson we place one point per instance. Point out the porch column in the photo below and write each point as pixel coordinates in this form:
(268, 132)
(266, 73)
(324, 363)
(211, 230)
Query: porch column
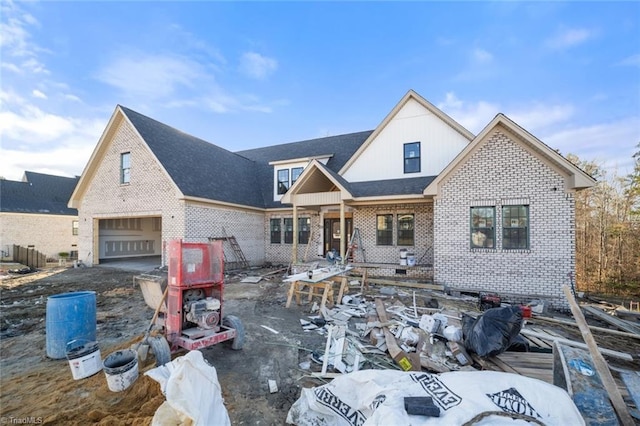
(343, 233)
(294, 247)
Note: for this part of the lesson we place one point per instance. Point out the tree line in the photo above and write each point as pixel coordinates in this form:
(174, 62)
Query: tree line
(608, 231)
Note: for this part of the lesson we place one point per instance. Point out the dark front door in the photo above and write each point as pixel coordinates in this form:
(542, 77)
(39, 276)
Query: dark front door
(332, 234)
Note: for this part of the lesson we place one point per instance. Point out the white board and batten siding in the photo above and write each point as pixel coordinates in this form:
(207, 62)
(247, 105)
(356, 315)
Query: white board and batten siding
(384, 157)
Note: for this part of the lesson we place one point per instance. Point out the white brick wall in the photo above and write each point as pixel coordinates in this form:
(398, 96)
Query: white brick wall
(501, 172)
(150, 192)
(49, 234)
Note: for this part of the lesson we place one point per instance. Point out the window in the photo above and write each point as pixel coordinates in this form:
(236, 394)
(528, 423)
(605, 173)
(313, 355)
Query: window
(483, 227)
(283, 181)
(384, 233)
(275, 231)
(412, 157)
(295, 174)
(288, 230)
(74, 227)
(125, 167)
(304, 228)
(405, 230)
(515, 227)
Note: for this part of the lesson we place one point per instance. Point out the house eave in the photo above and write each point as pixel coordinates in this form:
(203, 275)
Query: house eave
(210, 202)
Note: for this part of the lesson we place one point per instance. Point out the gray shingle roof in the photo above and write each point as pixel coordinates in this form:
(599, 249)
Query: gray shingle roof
(201, 169)
(39, 193)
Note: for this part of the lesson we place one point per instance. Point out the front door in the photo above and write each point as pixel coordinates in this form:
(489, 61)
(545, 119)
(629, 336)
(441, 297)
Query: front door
(332, 234)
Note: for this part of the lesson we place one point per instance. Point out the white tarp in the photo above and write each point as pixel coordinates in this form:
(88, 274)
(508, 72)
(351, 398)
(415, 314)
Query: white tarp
(376, 397)
(193, 393)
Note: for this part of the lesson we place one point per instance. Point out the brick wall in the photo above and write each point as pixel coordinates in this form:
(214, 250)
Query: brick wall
(245, 225)
(150, 192)
(501, 172)
(49, 234)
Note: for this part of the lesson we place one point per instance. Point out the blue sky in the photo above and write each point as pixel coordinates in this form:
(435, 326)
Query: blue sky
(250, 74)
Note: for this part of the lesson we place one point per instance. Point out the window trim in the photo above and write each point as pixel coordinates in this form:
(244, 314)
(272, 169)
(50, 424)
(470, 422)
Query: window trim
(125, 172)
(411, 159)
(474, 229)
(526, 227)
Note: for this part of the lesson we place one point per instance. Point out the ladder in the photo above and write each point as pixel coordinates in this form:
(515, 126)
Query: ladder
(355, 246)
(241, 261)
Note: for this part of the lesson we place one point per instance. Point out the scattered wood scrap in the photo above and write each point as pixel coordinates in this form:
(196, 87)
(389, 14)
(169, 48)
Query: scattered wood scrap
(614, 321)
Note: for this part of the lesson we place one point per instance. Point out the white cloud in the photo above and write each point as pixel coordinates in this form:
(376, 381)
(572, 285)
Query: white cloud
(71, 97)
(610, 144)
(473, 116)
(481, 56)
(633, 60)
(150, 76)
(32, 126)
(568, 38)
(537, 116)
(15, 39)
(10, 67)
(254, 65)
(38, 94)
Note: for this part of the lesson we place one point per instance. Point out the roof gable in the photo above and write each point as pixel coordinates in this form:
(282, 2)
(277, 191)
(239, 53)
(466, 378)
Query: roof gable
(575, 178)
(38, 193)
(410, 96)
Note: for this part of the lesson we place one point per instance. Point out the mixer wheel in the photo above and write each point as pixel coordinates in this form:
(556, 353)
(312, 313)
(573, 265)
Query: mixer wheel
(234, 322)
(160, 349)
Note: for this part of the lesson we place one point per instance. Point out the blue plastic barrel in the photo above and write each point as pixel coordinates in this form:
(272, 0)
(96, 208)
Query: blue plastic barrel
(70, 316)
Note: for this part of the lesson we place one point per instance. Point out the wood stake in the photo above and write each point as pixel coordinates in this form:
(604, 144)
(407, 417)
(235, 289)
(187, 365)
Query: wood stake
(601, 365)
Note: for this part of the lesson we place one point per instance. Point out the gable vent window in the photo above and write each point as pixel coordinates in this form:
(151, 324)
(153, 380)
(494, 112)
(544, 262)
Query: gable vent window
(412, 157)
(125, 167)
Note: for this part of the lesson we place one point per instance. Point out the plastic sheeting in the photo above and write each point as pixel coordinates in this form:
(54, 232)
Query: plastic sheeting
(376, 397)
(193, 393)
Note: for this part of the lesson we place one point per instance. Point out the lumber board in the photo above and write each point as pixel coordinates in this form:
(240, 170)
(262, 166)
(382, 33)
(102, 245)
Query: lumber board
(608, 352)
(406, 284)
(601, 365)
(591, 327)
(616, 322)
(392, 345)
(631, 380)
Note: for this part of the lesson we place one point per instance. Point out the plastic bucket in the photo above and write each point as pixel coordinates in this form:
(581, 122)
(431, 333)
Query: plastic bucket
(411, 259)
(70, 316)
(84, 358)
(403, 256)
(121, 369)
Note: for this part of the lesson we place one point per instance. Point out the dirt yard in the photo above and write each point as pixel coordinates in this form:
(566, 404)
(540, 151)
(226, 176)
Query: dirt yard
(43, 390)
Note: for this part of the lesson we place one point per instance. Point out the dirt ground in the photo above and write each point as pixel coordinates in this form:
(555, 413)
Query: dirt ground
(38, 388)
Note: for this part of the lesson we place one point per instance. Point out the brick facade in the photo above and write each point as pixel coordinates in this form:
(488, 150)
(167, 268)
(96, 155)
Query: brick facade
(502, 172)
(149, 194)
(26, 229)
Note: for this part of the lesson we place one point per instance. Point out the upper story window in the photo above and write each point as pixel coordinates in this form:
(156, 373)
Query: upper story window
(406, 230)
(384, 230)
(74, 227)
(295, 174)
(515, 227)
(412, 157)
(125, 167)
(483, 233)
(283, 181)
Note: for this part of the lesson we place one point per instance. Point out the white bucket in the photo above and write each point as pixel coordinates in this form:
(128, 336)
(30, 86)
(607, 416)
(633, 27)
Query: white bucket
(403, 256)
(84, 358)
(121, 369)
(411, 259)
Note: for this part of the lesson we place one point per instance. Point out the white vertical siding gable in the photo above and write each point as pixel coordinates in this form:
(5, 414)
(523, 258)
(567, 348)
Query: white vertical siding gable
(384, 156)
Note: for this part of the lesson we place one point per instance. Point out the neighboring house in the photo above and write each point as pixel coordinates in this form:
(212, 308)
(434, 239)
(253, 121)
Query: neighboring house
(492, 212)
(34, 214)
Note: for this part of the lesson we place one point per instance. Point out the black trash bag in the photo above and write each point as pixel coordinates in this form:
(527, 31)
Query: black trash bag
(492, 332)
(519, 344)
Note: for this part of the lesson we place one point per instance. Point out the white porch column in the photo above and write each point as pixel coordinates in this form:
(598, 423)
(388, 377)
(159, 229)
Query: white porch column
(294, 247)
(343, 233)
